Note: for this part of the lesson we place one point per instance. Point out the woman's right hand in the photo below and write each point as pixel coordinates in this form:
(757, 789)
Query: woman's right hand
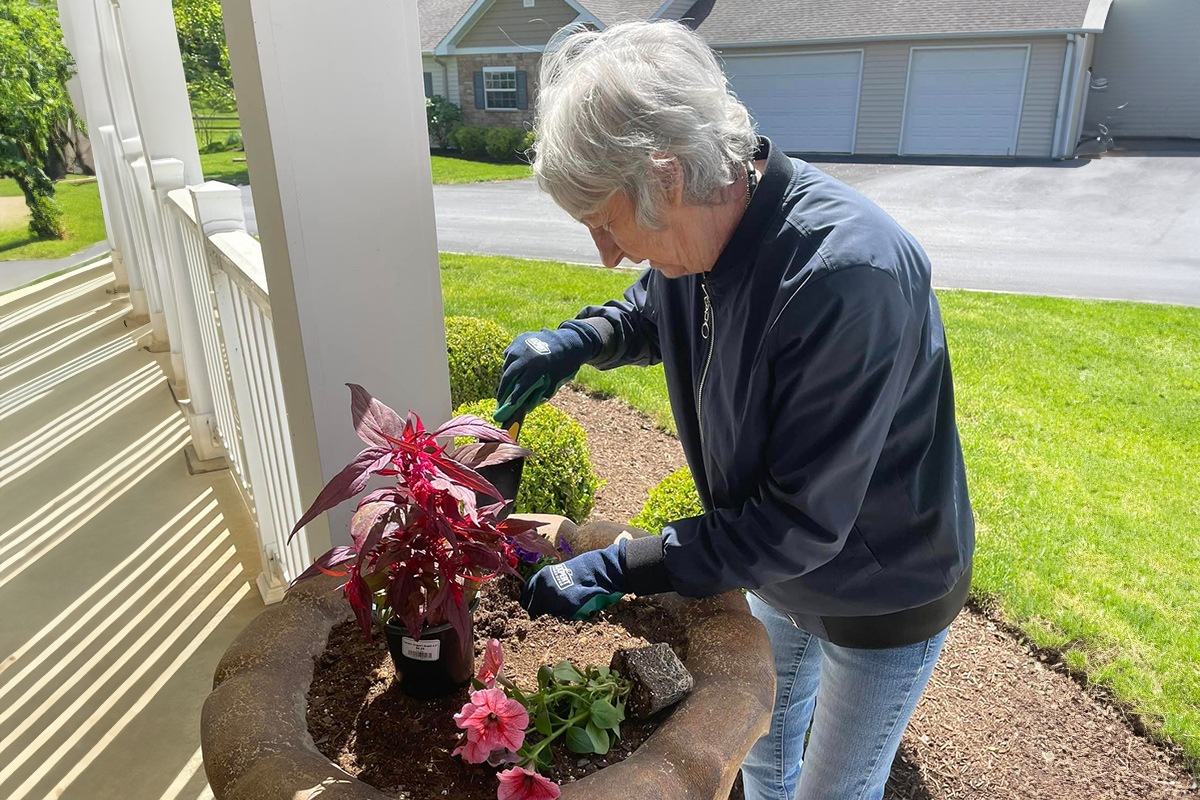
(536, 365)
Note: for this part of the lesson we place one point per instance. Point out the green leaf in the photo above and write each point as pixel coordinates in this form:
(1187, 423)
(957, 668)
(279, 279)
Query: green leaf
(579, 741)
(565, 671)
(542, 722)
(544, 758)
(598, 738)
(544, 676)
(604, 714)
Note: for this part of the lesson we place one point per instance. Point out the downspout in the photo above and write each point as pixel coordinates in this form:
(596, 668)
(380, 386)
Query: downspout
(445, 74)
(1062, 119)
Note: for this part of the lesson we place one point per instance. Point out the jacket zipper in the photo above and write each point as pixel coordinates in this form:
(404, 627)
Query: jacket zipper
(708, 331)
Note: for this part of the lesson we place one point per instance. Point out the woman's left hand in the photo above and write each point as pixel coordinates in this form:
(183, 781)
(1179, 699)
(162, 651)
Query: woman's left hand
(578, 587)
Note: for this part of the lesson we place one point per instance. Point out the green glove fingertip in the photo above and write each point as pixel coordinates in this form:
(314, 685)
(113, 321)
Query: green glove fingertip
(510, 407)
(597, 603)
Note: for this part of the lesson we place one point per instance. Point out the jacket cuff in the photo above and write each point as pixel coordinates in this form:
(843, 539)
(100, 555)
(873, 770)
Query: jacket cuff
(646, 566)
(599, 333)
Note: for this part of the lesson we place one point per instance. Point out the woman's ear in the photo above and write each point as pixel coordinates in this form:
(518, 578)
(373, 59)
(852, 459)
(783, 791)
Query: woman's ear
(671, 176)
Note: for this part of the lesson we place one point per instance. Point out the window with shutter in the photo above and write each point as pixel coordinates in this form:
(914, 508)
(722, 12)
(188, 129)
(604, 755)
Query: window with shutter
(500, 88)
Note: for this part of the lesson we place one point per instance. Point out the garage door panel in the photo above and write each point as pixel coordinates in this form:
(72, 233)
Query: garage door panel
(964, 101)
(805, 103)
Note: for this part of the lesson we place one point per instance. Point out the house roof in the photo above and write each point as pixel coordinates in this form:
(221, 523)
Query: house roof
(735, 22)
(731, 22)
(437, 18)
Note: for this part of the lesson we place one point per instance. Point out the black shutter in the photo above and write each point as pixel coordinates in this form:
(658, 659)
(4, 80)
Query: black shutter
(478, 76)
(429, 84)
(522, 90)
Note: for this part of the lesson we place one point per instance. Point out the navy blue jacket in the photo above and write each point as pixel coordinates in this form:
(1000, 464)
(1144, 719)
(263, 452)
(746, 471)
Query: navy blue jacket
(810, 383)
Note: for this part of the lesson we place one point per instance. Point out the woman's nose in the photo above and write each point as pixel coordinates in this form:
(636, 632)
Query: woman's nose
(610, 253)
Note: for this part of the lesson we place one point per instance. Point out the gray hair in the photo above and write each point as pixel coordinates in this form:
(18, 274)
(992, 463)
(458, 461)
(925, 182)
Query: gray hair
(621, 110)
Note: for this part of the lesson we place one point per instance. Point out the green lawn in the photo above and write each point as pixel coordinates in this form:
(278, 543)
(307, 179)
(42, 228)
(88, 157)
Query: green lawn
(446, 169)
(452, 169)
(81, 213)
(1081, 428)
(221, 167)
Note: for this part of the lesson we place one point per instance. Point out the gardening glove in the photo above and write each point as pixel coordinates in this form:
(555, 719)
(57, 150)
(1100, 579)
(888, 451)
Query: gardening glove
(536, 365)
(578, 587)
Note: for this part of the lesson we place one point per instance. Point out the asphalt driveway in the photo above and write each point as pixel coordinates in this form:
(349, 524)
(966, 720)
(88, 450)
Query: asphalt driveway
(1122, 227)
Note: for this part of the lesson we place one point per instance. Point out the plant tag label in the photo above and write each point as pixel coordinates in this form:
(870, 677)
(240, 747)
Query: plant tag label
(427, 650)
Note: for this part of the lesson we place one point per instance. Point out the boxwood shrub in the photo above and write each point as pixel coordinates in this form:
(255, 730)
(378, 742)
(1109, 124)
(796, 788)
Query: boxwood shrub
(558, 477)
(475, 351)
(503, 144)
(674, 498)
(472, 140)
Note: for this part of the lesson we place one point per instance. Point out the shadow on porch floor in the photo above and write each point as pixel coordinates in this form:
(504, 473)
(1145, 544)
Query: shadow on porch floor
(122, 576)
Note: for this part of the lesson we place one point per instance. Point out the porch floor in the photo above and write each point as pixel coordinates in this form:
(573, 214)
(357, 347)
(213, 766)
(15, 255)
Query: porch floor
(122, 577)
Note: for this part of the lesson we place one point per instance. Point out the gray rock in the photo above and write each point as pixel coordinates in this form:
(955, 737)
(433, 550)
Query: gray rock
(659, 678)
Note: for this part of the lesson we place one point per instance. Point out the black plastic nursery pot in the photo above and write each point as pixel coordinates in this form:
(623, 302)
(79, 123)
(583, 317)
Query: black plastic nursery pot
(506, 478)
(438, 663)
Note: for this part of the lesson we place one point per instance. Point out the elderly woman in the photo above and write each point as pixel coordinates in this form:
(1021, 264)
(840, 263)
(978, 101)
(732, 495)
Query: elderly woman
(810, 382)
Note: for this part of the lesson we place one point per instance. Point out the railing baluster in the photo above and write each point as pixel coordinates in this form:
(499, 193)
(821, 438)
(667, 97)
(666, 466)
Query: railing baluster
(227, 279)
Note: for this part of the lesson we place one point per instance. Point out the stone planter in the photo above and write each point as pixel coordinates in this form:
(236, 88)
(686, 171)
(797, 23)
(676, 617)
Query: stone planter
(257, 747)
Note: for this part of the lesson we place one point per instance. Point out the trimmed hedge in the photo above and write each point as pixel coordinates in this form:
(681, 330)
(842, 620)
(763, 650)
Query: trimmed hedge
(472, 140)
(558, 477)
(503, 143)
(673, 499)
(527, 143)
(475, 351)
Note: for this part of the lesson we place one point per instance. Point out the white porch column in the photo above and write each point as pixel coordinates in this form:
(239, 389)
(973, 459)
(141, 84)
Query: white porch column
(145, 30)
(111, 70)
(80, 35)
(350, 249)
(160, 101)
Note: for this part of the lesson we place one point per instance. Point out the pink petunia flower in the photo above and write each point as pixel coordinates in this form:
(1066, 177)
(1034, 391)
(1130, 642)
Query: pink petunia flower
(493, 663)
(493, 720)
(519, 783)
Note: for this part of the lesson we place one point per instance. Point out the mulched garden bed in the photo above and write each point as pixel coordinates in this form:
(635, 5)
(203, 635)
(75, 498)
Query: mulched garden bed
(995, 722)
(362, 722)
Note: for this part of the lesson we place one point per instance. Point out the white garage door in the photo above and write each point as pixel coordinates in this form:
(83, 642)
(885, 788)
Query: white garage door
(806, 103)
(964, 101)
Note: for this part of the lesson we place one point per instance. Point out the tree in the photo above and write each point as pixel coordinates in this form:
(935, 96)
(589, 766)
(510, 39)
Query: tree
(201, 31)
(35, 109)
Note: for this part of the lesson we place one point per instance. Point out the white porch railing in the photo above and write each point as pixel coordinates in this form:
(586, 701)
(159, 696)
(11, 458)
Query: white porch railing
(225, 268)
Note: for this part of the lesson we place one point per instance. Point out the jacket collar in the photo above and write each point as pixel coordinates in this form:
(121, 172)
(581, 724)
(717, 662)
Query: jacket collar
(743, 245)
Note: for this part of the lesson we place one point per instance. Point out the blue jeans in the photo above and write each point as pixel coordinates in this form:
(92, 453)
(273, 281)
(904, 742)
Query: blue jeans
(862, 698)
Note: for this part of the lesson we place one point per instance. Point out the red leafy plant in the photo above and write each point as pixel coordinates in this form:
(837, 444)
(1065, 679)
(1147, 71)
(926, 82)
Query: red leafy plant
(422, 547)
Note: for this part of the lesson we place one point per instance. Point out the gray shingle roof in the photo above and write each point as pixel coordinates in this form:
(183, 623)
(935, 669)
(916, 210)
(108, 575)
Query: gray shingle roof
(749, 21)
(756, 21)
(437, 18)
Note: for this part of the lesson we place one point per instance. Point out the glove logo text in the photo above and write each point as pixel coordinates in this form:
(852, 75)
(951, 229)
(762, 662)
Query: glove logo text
(562, 575)
(538, 346)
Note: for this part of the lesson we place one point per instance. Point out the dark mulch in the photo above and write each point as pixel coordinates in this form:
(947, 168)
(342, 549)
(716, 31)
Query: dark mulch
(995, 722)
(360, 720)
(630, 454)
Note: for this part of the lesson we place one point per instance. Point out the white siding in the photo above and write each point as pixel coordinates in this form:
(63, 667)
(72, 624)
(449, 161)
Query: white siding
(1150, 53)
(885, 71)
(881, 107)
(439, 76)
(1041, 96)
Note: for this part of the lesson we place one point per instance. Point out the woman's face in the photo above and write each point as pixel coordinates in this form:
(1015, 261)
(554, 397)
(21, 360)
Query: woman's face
(617, 235)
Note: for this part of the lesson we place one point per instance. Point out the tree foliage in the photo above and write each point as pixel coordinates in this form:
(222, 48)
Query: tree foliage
(35, 109)
(201, 31)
